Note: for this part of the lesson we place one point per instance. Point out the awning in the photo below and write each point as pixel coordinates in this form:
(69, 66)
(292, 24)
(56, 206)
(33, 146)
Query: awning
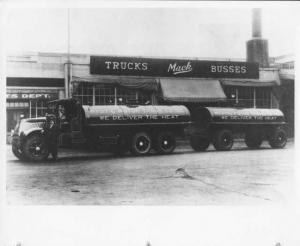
(192, 90)
(150, 84)
(249, 82)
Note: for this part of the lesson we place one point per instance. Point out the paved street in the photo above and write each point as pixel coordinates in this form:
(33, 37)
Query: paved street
(237, 177)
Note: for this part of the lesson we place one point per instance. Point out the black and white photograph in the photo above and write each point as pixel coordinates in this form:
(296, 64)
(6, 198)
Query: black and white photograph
(160, 106)
(169, 104)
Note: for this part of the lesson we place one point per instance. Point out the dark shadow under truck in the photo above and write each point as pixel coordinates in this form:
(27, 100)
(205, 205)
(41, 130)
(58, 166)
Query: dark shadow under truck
(139, 129)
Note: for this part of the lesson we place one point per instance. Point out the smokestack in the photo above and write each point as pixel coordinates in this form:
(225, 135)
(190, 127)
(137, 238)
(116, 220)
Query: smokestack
(257, 48)
(256, 23)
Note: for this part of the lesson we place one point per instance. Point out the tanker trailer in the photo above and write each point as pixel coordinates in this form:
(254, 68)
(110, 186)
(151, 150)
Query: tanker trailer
(218, 125)
(135, 128)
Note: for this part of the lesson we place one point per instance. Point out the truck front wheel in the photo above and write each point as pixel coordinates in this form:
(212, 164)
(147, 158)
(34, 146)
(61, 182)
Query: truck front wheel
(199, 143)
(165, 142)
(35, 148)
(253, 139)
(141, 143)
(223, 140)
(278, 139)
(17, 152)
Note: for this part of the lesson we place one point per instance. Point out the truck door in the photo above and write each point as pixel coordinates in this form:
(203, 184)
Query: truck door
(76, 124)
(76, 119)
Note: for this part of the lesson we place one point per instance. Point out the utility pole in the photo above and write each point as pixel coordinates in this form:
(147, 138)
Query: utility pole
(68, 63)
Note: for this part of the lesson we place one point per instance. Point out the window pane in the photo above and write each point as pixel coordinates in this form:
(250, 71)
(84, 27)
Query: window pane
(132, 96)
(246, 96)
(104, 95)
(263, 97)
(230, 93)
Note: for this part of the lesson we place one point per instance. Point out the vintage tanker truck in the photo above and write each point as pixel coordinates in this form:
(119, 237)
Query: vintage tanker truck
(122, 128)
(141, 128)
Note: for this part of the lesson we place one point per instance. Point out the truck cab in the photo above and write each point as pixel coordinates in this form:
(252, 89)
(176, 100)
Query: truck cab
(28, 141)
(68, 115)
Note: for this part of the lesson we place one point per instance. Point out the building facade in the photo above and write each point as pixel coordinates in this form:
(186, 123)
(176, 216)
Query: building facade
(33, 79)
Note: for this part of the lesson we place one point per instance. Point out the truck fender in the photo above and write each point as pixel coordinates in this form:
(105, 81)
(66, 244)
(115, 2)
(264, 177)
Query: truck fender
(31, 131)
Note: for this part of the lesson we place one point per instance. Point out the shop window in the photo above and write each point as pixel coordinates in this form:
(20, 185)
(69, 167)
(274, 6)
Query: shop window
(98, 94)
(37, 108)
(231, 94)
(130, 96)
(242, 96)
(84, 93)
(126, 96)
(246, 96)
(263, 97)
(144, 98)
(249, 96)
(104, 95)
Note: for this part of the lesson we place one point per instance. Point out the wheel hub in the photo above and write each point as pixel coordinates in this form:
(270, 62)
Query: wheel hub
(36, 149)
(226, 140)
(142, 144)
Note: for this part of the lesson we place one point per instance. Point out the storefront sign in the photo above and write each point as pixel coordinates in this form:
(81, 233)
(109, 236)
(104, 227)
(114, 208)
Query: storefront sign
(130, 66)
(31, 96)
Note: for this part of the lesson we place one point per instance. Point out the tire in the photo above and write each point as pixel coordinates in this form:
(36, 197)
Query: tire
(253, 139)
(199, 143)
(165, 142)
(35, 148)
(17, 152)
(141, 143)
(223, 140)
(278, 139)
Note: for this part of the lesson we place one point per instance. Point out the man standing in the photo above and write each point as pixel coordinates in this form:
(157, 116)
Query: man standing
(51, 132)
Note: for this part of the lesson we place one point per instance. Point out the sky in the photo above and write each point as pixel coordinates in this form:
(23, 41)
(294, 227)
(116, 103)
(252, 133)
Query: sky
(200, 32)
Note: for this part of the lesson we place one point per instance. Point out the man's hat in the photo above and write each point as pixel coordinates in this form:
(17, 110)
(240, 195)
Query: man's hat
(50, 116)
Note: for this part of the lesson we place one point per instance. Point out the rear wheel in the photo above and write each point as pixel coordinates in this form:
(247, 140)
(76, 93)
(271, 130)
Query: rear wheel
(199, 143)
(141, 143)
(223, 140)
(278, 139)
(35, 148)
(253, 139)
(165, 142)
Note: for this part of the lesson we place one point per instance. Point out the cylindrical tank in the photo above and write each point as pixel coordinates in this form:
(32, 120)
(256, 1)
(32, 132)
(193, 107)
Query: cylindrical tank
(120, 114)
(220, 115)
